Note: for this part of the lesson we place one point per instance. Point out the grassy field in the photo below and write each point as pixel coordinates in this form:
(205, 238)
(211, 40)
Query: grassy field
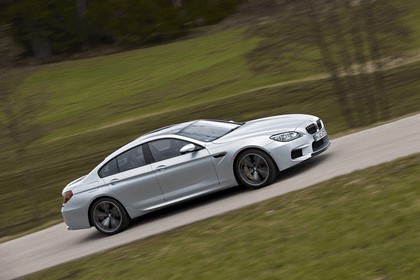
(358, 226)
(54, 163)
(205, 77)
(88, 93)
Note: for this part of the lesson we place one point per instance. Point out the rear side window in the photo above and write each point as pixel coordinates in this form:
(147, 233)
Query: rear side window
(108, 169)
(130, 159)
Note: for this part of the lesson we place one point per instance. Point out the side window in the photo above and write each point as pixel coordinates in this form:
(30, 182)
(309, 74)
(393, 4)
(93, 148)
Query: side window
(108, 169)
(131, 159)
(166, 148)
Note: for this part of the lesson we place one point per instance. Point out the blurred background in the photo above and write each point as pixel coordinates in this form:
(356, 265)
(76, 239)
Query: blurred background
(80, 78)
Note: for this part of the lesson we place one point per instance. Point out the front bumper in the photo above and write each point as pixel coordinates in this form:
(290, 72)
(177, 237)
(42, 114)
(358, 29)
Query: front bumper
(294, 152)
(320, 146)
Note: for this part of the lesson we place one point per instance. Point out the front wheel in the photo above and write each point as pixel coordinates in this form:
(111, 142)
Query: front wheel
(109, 216)
(255, 169)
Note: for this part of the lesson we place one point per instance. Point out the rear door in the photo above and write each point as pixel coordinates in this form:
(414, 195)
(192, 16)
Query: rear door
(134, 182)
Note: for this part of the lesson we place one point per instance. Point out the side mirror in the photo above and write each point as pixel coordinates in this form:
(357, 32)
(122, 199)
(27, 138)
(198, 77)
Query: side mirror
(187, 149)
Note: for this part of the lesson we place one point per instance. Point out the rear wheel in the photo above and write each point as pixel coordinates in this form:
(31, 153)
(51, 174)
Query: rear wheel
(255, 169)
(109, 216)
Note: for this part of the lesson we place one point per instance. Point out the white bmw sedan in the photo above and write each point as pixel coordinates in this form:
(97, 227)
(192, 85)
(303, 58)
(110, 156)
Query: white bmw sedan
(188, 160)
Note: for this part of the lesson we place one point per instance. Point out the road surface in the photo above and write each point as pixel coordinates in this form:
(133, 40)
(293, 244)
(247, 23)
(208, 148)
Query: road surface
(56, 245)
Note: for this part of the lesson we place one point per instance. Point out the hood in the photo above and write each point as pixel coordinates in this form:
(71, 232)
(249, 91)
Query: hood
(265, 126)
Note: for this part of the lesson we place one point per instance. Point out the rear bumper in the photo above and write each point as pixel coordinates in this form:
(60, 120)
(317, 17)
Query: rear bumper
(75, 217)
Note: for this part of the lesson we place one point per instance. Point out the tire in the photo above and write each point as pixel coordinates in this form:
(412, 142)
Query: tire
(255, 169)
(109, 216)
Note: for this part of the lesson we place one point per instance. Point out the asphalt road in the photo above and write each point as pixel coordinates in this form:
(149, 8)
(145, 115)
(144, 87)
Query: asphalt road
(356, 151)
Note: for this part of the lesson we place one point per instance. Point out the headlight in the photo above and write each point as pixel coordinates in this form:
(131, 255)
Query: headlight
(285, 136)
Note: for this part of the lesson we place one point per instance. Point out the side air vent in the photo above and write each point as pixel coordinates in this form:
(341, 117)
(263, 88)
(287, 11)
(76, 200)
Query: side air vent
(296, 153)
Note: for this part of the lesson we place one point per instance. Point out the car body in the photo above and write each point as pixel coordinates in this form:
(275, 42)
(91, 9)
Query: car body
(187, 160)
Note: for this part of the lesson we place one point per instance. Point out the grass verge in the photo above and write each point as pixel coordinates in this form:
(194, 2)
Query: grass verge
(358, 226)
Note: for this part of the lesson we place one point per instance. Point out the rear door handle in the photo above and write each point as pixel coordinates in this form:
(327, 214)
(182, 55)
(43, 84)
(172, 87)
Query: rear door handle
(161, 167)
(114, 181)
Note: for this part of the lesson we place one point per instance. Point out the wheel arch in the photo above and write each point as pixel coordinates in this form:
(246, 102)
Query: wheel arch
(236, 157)
(100, 197)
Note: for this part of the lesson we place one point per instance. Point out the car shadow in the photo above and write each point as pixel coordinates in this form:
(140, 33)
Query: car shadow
(171, 211)
(186, 205)
(209, 198)
(302, 167)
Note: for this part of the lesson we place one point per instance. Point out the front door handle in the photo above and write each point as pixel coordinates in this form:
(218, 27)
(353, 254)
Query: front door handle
(161, 167)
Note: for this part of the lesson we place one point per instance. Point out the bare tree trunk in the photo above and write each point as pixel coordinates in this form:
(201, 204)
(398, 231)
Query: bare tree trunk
(177, 4)
(381, 93)
(330, 64)
(347, 61)
(9, 116)
(18, 142)
(365, 89)
(81, 8)
(41, 48)
(40, 44)
(13, 119)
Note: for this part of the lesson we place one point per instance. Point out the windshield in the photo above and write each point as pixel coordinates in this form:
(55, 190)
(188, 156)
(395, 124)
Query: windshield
(207, 131)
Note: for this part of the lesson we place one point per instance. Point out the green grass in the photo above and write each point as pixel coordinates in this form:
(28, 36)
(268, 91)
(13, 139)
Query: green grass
(87, 93)
(413, 20)
(205, 77)
(358, 226)
(55, 163)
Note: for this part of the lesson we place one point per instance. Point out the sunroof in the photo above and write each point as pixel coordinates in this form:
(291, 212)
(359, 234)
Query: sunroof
(205, 130)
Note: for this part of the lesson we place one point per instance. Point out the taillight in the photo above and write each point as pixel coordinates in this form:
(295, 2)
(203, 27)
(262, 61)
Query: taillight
(66, 196)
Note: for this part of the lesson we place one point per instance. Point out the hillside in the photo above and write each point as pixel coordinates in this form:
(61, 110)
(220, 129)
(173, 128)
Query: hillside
(87, 108)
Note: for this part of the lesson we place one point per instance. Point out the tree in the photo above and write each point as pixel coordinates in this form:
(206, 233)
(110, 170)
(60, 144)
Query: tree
(17, 113)
(28, 18)
(353, 39)
(47, 29)
(18, 126)
(176, 3)
(81, 8)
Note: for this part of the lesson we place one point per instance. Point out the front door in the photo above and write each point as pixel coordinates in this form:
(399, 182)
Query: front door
(182, 175)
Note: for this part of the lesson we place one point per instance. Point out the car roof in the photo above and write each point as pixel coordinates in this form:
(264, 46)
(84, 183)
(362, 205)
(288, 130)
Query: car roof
(170, 130)
(167, 130)
(175, 129)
